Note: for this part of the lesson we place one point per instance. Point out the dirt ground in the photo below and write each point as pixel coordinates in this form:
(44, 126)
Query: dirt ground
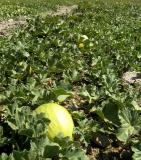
(6, 25)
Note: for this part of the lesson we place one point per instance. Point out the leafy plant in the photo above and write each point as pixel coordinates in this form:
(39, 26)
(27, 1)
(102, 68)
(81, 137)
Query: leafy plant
(78, 61)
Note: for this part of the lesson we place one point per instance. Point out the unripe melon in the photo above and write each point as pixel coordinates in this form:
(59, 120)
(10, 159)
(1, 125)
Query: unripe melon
(60, 120)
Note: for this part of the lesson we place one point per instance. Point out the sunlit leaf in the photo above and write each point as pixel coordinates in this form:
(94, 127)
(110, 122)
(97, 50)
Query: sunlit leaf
(130, 124)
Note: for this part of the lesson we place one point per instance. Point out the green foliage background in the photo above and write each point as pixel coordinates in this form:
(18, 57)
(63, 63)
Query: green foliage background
(42, 61)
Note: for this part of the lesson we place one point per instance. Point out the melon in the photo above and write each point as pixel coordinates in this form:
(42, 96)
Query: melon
(61, 121)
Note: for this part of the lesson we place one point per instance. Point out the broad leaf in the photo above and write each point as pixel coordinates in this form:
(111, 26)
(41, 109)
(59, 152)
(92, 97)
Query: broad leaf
(137, 151)
(130, 124)
(76, 155)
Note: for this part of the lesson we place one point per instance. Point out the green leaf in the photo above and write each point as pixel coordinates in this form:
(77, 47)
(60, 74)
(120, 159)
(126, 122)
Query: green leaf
(20, 155)
(137, 151)
(2, 138)
(99, 112)
(43, 147)
(76, 155)
(12, 124)
(4, 156)
(130, 124)
(62, 94)
(110, 111)
(2, 98)
(51, 151)
(62, 98)
(136, 106)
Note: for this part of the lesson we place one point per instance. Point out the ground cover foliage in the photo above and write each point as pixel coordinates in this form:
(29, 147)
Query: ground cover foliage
(78, 61)
(10, 9)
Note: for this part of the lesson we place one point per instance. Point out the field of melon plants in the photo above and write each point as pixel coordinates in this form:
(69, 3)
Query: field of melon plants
(79, 61)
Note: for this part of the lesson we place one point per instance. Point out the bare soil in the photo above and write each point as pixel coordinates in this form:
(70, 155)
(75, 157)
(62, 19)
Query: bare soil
(132, 77)
(6, 25)
(63, 10)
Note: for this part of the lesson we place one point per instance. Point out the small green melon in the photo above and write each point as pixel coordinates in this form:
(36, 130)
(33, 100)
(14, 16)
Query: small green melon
(61, 120)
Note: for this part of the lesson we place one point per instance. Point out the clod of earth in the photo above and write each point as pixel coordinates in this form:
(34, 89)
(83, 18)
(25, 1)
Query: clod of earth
(61, 10)
(132, 77)
(10, 24)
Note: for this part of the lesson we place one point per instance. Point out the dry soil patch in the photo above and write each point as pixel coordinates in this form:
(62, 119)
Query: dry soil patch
(63, 10)
(132, 77)
(6, 25)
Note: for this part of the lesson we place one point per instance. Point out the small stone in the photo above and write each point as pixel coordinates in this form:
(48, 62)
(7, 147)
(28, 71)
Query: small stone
(10, 20)
(132, 77)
